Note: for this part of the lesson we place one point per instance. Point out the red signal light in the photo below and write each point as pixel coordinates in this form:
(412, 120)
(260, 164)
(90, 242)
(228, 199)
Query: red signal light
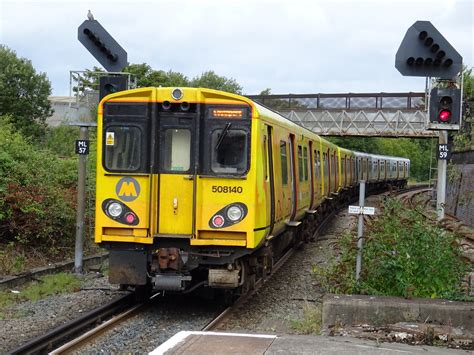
(444, 115)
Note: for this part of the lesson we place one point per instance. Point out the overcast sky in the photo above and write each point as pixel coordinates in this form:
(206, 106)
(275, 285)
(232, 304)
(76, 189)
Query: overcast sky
(289, 46)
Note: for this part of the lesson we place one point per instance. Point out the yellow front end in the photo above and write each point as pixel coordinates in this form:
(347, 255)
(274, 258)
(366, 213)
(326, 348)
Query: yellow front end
(171, 196)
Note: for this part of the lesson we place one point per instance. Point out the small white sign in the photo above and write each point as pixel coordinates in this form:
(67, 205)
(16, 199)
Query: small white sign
(369, 210)
(354, 209)
(361, 210)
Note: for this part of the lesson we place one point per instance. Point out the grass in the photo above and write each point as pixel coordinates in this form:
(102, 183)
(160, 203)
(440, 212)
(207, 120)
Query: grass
(311, 322)
(44, 287)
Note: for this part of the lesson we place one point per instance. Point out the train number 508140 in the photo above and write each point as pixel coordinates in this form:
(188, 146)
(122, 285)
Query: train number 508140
(227, 189)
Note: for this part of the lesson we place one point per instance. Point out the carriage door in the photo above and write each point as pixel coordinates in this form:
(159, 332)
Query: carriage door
(311, 175)
(176, 180)
(292, 177)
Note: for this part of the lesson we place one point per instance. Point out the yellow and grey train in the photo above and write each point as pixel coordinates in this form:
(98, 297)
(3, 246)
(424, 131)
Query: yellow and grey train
(199, 187)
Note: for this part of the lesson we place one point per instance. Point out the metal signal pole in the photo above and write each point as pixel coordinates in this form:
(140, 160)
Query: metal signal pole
(360, 230)
(441, 184)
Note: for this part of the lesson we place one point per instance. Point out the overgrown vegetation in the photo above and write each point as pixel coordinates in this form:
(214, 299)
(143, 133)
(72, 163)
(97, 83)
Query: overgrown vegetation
(37, 194)
(404, 255)
(464, 138)
(43, 287)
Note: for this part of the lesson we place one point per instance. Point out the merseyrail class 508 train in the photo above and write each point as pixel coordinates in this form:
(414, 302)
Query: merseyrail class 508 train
(198, 187)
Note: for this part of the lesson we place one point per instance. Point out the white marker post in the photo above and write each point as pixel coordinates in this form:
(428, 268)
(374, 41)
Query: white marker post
(361, 210)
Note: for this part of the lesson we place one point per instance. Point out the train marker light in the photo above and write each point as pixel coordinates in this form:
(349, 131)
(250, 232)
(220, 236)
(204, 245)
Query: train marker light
(218, 221)
(130, 218)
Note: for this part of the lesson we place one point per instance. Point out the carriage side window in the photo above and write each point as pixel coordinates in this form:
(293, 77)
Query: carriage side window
(229, 151)
(176, 150)
(284, 163)
(122, 148)
(305, 163)
(317, 165)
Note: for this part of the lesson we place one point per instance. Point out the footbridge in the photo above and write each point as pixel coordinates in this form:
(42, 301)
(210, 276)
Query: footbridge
(355, 114)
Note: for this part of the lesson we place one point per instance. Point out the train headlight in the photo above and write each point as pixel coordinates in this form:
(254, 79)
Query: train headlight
(115, 209)
(234, 213)
(177, 94)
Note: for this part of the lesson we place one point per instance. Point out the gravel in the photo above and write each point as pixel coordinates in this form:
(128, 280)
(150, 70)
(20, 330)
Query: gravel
(26, 320)
(160, 321)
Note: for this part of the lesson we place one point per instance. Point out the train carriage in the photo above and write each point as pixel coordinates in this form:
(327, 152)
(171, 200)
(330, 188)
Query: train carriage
(197, 187)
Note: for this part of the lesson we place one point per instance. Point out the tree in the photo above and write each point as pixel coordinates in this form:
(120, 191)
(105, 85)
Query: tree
(23, 93)
(211, 80)
(146, 76)
(464, 138)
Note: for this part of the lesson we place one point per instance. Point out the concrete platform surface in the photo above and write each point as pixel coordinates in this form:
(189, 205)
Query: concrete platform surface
(196, 343)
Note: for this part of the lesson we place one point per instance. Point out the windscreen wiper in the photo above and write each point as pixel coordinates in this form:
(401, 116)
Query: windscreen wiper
(223, 135)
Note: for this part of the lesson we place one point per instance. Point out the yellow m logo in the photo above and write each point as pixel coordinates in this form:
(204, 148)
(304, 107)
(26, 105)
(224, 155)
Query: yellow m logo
(127, 189)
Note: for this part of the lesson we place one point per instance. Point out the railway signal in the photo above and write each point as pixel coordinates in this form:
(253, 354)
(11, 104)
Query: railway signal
(425, 52)
(445, 108)
(102, 46)
(111, 84)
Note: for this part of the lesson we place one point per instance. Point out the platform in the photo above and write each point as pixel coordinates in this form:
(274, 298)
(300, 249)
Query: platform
(195, 343)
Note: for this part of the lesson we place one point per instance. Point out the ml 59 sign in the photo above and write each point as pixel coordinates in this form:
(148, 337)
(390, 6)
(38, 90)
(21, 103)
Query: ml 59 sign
(444, 151)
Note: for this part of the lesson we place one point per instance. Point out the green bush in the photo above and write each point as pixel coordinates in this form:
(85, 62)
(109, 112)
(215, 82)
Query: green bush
(404, 255)
(37, 193)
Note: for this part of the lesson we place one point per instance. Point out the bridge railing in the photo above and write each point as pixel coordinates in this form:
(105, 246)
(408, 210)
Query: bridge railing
(347, 101)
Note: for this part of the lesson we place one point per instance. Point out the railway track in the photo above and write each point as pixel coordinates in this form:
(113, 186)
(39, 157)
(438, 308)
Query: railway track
(59, 335)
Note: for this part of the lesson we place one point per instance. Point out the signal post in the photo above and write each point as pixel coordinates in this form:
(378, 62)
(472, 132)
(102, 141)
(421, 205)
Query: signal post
(113, 58)
(425, 52)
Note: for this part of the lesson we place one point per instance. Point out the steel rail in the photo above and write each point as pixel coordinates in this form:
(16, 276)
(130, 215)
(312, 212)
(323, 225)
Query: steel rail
(89, 336)
(59, 334)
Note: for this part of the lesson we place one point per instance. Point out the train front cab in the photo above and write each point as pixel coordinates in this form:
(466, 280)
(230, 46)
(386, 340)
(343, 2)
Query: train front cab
(176, 185)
